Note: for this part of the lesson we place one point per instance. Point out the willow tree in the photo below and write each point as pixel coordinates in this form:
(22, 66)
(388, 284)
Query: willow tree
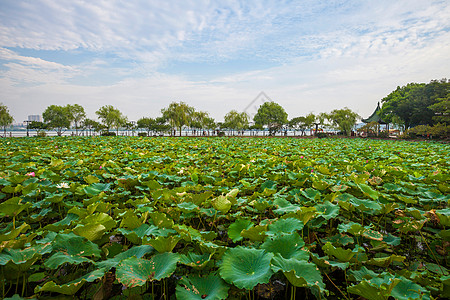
(5, 117)
(178, 114)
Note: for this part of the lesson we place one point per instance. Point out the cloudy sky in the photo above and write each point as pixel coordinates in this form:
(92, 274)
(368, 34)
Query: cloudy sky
(140, 55)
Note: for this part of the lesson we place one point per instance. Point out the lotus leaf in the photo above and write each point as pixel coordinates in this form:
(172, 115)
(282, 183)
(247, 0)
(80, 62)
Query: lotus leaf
(245, 268)
(287, 245)
(135, 271)
(299, 272)
(194, 287)
(235, 229)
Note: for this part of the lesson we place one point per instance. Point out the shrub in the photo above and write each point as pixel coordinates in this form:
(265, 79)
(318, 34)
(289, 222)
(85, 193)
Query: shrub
(321, 135)
(142, 133)
(221, 133)
(108, 133)
(41, 133)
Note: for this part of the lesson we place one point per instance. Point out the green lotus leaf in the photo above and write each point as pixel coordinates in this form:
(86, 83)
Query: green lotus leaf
(288, 225)
(338, 252)
(90, 179)
(59, 258)
(152, 184)
(406, 290)
(14, 233)
(72, 287)
(351, 227)
(245, 268)
(221, 204)
(135, 271)
(75, 245)
(339, 239)
(255, 233)
(25, 257)
(130, 220)
(320, 185)
(379, 289)
(366, 205)
(361, 274)
(187, 206)
(328, 210)
(100, 218)
(391, 240)
(195, 260)
(235, 229)
(96, 188)
(136, 251)
(287, 245)
(90, 231)
(163, 244)
(385, 261)
(193, 287)
(161, 220)
(326, 262)
(64, 223)
(368, 191)
(299, 273)
(13, 206)
(284, 206)
(444, 216)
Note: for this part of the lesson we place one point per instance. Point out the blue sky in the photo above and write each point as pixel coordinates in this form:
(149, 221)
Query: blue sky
(308, 56)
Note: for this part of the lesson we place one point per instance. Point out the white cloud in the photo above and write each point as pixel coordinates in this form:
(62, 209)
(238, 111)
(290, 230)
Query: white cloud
(327, 54)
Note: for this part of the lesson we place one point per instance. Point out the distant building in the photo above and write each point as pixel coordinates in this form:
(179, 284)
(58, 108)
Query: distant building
(34, 118)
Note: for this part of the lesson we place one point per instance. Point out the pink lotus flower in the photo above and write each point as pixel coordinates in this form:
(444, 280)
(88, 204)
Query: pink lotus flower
(101, 167)
(32, 174)
(301, 156)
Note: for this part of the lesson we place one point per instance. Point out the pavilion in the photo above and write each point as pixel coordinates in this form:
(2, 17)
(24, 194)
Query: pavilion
(375, 117)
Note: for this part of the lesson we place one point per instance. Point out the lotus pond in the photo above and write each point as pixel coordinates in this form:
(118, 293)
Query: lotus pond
(223, 218)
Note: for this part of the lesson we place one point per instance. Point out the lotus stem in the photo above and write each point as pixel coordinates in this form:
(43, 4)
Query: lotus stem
(345, 296)
(437, 262)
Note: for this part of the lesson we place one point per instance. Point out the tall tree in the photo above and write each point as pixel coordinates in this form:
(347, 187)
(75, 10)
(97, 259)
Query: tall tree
(77, 114)
(235, 120)
(441, 110)
(302, 123)
(272, 115)
(57, 117)
(413, 103)
(110, 116)
(178, 114)
(146, 123)
(90, 125)
(5, 117)
(343, 119)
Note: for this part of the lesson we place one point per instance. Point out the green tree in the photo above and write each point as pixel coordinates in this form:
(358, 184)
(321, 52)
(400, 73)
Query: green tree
(90, 125)
(5, 117)
(178, 114)
(110, 117)
(236, 121)
(272, 115)
(57, 117)
(441, 110)
(146, 123)
(343, 119)
(414, 103)
(302, 123)
(76, 114)
(160, 125)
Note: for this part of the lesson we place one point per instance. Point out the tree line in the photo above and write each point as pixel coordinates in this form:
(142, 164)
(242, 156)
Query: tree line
(407, 106)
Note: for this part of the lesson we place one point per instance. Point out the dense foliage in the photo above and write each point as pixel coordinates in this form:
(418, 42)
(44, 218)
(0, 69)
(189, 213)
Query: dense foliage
(224, 218)
(418, 104)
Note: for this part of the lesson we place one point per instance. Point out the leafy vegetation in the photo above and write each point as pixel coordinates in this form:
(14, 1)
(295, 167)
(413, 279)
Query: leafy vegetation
(224, 218)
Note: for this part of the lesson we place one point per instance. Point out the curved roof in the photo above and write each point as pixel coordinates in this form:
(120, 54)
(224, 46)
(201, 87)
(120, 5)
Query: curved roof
(374, 117)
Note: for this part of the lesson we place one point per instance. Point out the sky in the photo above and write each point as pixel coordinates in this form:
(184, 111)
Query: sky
(141, 55)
